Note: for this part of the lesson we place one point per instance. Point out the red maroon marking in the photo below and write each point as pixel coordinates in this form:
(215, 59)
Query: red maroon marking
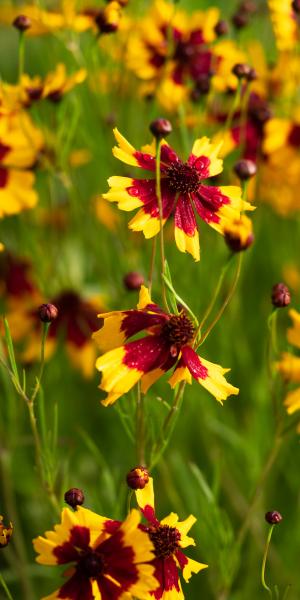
(4, 174)
(193, 363)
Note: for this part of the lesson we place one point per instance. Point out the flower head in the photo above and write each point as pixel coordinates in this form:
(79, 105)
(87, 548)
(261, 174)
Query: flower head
(168, 343)
(183, 190)
(169, 537)
(5, 533)
(106, 558)
(289, 365)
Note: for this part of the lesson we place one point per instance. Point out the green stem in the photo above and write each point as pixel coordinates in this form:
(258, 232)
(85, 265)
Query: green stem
(7, 592)
(152, 265)
(214, 296)
(263, 567)
(161, 232)
(168, 426)
(233, 108)
(21, 54)
(140, 426)
(42, 361)
(226, 301)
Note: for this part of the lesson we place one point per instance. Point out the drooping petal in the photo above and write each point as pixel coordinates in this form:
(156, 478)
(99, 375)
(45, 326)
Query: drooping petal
(293, 333)
(209, 375)
(129, 155)
(145, 497)
(289, 367)
(124, 192)
(188, 565)
(166, 573)
(186, 231)
(218, 206)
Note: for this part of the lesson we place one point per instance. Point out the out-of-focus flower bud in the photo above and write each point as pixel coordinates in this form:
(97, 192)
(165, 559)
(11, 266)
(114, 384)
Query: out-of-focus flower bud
(239, 234)
(74, 497)
(241, 70)
(22, 23)
(281, 295)
(240, 20)
(137, 478)
(221, 28)
(48, 313)
(248, 7)
(273, 517)
(245, 169)
(133, 281)
(160, 128)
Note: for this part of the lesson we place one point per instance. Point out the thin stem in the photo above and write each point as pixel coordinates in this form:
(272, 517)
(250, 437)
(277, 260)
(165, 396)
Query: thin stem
(21, 54)
(42, 361)
(233, 108)
(226, 301)
(168, 426)
(263, 567)
(161, 225)
(152, 265)
(140, 426)
(214, 296)
(129, 498)
(7, 592)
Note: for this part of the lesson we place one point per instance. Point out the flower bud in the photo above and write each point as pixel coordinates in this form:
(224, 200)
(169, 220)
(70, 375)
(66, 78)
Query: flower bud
(281, 295)
(47, 313)
(240, 20)
(296, 6)
(241, 70)
(273, 517)
(252, 75)
(137, 478)
(5, 533)
(22, 23)
(160, 128)
(239, 234)
(133, 281)
(248, 7)
(221, 28)
(245, 169)
(74, 497)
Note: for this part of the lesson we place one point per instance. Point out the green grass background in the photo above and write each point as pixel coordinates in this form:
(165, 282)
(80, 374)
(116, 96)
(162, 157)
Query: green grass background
(216, 454)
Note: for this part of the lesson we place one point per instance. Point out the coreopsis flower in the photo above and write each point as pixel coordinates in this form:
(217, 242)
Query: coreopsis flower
(169, 537)
(183, 190)
(285, 24)
(170, 50)
(5, 533)
(289, 365)
(49, 21)
(169, 342)
(55, 85)
(106, 560)
(20, 144)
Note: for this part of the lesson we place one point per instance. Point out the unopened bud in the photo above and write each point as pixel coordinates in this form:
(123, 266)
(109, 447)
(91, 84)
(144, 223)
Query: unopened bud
(252, 75)
(5, 533)
(137, 478)
(281, 295)
(133, 281)
(248, 7)
(22, 23)
(160, 128)
(245, 169)
(241, 70)
(239, 234)
(221, 28)
(240, 20)
(273, 517)
(74, 497)
(47, 313)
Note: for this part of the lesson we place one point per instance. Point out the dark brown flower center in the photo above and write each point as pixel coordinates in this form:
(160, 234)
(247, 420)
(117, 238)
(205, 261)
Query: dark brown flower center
(91, 564)
(183, 177)
(178, 331)
(165, 540)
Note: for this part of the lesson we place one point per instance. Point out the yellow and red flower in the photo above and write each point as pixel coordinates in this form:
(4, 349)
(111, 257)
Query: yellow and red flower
(107, 560)
(183, 191)
(289, 365)
(169, 342)
(172, 52)
(285, 24)
(5, 533)
(169, 538)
